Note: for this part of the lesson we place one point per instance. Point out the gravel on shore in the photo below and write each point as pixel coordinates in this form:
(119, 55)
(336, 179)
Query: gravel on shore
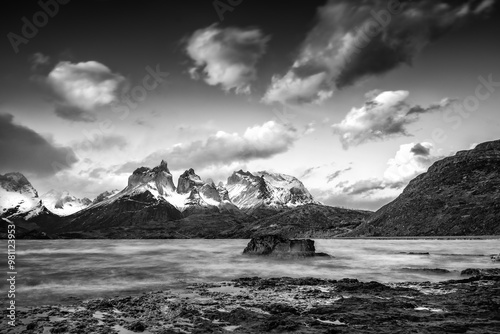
(282, 305)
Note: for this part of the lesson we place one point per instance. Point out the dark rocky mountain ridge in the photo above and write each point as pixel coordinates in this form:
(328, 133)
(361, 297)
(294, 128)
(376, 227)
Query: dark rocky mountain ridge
(458, 196)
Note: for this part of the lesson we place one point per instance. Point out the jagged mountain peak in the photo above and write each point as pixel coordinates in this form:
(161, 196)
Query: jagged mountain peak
(252, 190)
(188, 181)
(15, 181)
(17, 195)
(192, 194)
(158, 178)
(63, 203)
(17, 178)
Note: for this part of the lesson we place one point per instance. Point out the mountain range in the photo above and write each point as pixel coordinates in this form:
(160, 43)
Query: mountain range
(151, 205)
(458, 195)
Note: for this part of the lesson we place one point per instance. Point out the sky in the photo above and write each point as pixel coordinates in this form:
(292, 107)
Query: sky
(354, 98)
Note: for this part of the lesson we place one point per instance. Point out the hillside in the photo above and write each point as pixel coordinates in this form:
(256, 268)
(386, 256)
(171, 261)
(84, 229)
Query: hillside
(459, 195)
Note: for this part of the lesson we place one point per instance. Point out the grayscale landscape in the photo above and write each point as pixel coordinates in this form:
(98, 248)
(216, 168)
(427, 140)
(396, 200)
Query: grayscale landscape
(237, 166)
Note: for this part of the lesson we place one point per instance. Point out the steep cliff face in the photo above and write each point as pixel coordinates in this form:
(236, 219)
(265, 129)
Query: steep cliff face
(188, 181)
(158, 178)
(459, 195)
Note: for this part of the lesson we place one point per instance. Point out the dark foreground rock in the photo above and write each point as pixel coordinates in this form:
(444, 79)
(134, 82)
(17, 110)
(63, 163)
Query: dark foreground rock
(481, 271)
(282, 305)
(278, 246)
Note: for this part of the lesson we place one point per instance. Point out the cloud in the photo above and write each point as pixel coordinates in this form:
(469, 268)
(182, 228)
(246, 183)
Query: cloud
(80, 89)
(223, 148)
(309, 171)
(39, 60)
(333, 176)
(24, 150)
(291, 89)
(96, 173)
(364, 186)
(384, 115)
(328, 197)
(72, 113)
(420, 149)
(310, 128)
(410, 160)
(353, 40)
(102, 143)
(226, 56)
(443, 104)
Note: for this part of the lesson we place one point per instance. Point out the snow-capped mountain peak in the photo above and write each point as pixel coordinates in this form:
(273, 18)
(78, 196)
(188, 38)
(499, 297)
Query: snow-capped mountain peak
(17, 195)
(248, 191)
(62, 203)
(105, 195)
(192, 193)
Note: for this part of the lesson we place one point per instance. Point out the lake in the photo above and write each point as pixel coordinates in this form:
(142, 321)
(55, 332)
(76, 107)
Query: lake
(62, 271)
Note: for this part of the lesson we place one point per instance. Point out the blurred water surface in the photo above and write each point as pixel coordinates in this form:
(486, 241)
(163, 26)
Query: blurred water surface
(59, 271)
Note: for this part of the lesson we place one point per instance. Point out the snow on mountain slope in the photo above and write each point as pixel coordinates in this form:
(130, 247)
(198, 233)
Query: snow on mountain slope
(191, 194)
(17, 195)
(62, 203)
(249, 191)
(105, 195)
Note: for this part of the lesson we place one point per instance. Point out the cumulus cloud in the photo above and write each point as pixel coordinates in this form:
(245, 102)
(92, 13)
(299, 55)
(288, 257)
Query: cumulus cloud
(24, 150)
(384, 115)
(291, 89)
(410, 160)
(226, 56)
(357, 39)
(223, 148)
(80, 89)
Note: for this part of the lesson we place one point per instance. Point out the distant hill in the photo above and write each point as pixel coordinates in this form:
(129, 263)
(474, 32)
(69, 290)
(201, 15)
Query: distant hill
(307, 221)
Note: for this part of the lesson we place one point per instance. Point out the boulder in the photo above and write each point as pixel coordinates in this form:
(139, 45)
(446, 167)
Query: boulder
(495, 257)
(279, 246)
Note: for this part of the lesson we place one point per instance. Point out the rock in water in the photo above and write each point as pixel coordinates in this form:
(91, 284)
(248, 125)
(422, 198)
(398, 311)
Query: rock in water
(495, 257)
(278, 246)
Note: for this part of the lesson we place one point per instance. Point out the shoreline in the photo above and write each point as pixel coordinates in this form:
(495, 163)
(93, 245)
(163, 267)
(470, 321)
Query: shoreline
(281, 305)
(478, 237)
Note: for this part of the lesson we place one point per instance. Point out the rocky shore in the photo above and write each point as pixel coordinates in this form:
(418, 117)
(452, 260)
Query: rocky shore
(283, 305)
